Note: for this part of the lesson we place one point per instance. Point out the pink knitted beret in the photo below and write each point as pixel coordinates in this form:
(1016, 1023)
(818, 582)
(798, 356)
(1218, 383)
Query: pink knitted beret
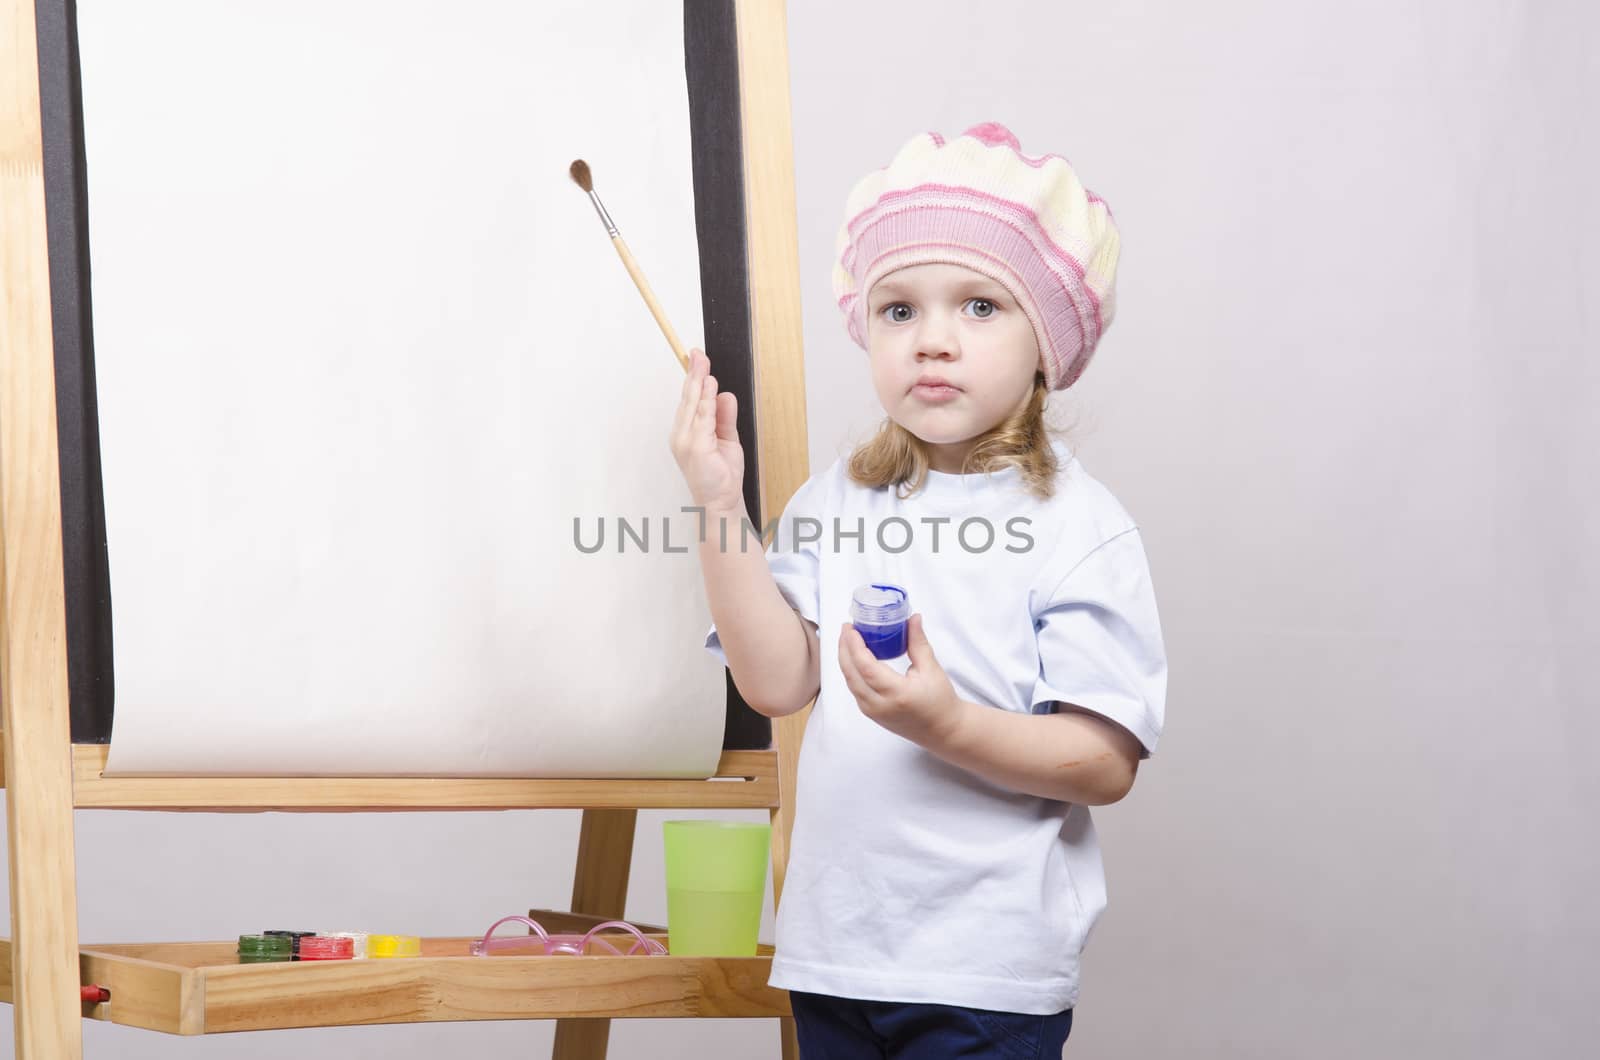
(1023, 220)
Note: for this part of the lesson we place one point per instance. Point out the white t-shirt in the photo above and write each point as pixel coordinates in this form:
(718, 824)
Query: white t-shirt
(911, 879)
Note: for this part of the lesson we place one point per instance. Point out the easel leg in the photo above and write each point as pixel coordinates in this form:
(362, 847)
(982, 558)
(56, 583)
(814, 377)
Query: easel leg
(599, 888)
(787, 732)
(33, 649)
(47, 1016)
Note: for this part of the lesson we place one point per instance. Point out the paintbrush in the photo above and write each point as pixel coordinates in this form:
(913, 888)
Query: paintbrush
(581, 176)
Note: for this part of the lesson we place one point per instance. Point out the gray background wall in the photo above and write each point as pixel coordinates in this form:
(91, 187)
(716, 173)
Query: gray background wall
(1348, 396)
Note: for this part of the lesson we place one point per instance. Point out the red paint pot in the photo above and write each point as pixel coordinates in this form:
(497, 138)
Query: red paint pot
(325, 948)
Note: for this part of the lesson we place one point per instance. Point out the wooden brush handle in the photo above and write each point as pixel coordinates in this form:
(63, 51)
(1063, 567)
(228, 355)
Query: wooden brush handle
(650, 300)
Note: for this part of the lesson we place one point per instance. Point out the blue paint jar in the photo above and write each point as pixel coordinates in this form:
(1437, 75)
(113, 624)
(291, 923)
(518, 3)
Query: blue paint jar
(879, 613)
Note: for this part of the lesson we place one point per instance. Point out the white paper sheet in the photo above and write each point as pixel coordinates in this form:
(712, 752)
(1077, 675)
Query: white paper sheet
(364, 353)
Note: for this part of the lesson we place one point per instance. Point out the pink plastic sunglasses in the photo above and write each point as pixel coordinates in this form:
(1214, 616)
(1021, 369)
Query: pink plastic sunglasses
(551, 945)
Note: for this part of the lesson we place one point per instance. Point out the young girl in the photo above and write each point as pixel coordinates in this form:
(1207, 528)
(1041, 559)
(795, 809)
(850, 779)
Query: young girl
(944, 873)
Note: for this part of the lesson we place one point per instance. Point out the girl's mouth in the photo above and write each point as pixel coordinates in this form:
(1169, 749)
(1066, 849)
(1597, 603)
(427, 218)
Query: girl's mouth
(935, 393)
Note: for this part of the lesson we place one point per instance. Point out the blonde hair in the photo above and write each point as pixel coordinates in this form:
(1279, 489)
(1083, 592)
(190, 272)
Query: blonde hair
(895, 457)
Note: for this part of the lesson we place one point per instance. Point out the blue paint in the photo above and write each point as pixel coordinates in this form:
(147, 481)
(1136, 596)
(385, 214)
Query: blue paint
(885, 642)
(879, 612)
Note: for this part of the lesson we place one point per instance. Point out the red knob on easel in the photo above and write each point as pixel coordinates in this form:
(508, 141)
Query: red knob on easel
(95, 994)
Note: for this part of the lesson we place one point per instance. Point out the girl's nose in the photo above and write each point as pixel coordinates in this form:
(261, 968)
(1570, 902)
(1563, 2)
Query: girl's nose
(937, 338)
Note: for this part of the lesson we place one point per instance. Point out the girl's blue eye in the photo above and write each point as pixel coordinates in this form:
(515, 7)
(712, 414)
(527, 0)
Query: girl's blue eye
(893, 308)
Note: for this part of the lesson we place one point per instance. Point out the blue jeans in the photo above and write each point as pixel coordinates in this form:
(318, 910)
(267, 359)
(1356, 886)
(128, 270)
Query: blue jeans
(839, 1028)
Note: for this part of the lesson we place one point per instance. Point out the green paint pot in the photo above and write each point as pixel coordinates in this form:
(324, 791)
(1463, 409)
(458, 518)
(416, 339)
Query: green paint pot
(262, 949)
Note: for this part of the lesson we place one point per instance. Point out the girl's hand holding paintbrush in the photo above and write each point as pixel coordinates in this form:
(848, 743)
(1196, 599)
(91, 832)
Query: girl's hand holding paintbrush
(706, 444)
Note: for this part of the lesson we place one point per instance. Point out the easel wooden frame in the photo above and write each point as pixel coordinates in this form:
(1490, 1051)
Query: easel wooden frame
(192, 988)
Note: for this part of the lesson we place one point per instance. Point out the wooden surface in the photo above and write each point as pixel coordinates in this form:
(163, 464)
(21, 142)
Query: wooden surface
(774, 261)
(599, 888)
(746, 780)
(33, 650)
(146, 993)
(199, 988)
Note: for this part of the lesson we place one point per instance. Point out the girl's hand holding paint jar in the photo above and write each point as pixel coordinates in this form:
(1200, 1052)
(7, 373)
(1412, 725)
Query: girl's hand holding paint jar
(920, 705)
(705, 442)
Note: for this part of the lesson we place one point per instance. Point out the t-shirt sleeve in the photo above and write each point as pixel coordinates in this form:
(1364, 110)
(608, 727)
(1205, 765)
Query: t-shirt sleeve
(1100, 645)
(792, 557)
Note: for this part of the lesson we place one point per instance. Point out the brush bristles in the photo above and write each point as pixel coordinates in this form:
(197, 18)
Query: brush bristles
(580, 174)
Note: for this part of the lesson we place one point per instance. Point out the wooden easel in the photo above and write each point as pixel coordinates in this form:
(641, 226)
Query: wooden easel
(196, 988)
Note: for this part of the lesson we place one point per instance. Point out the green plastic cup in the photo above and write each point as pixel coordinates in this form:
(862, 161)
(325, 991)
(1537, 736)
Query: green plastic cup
(716, 876)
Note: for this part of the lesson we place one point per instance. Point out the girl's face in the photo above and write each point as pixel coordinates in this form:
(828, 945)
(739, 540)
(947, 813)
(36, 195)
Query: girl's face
(951, 324)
